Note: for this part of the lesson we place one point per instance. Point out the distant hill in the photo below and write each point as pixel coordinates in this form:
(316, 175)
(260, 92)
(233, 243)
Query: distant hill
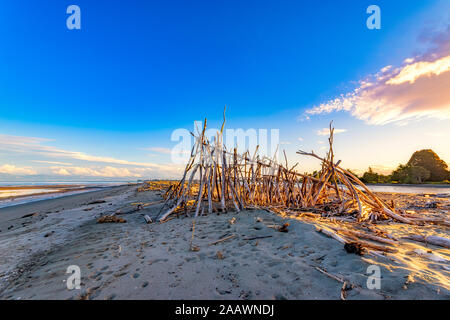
(423, 166)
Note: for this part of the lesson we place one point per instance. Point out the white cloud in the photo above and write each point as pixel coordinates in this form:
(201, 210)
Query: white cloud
(435, 134)
(53, 162)
(158, 150)
(87, 165)
(12, 169)
(326, 131)
(108, 172)
(387, 68)
(35, 146)
(300, 139)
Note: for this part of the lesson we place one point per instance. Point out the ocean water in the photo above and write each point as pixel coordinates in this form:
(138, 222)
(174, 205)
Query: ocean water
(23, 192)
(30, 195)
(418, 189)
(50, 183)
(26, 195)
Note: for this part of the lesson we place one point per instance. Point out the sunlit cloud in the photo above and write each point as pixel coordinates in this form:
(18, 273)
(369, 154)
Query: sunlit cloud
(413, 71)
(326, 131)
(385, 69)
(106, 172)
(435, 134)
(418, 89)
(53, 162)
(12, 169)
(158, 150)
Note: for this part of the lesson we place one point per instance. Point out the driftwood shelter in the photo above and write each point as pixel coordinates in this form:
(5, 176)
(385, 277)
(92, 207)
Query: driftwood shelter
(217, 180)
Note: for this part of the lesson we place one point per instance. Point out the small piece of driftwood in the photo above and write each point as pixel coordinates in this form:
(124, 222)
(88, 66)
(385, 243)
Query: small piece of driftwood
(148, 219)
(254, 238)
(434, 240)
(222, 240)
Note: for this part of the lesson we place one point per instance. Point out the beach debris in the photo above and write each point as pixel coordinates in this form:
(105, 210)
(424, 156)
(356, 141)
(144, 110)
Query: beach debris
(331, 234)
(354, 247)
(168, 219)
(110, 219)
(258, 237)
(222, 240)
(345, 287)
(432, 205)
(408, 281)
(148, 219)
(434, 240)
(156, 185)
(332, 276)
(142, 205)
(194, 248)
(97, 202)
(431, 256)
(29, 215)
(48, 234)
(232, 220)
(284, 227)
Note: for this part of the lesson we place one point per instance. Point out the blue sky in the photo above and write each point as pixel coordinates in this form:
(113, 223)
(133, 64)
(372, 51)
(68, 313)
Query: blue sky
(137, 70)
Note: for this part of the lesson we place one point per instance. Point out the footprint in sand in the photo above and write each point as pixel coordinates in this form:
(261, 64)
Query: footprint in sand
(223, 292)
(111, 297)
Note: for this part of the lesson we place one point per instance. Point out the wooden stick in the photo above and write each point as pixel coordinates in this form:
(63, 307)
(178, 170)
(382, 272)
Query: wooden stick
(222, 240)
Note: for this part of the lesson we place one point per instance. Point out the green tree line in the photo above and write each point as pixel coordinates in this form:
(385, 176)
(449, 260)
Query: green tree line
(424, 166)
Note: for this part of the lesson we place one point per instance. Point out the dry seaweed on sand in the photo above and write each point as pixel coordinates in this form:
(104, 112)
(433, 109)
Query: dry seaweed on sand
(110, 219)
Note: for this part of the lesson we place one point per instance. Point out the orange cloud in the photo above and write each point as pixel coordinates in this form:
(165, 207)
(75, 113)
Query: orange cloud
(418, 89)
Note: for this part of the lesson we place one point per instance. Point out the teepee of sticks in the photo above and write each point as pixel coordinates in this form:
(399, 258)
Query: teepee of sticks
(216, 179)
(335, 201)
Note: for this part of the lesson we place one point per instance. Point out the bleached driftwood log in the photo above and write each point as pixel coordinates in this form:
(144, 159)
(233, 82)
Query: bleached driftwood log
(434, 240)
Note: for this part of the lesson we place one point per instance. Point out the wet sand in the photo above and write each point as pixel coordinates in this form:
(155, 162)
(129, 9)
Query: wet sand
(135, 260)
(17, 195)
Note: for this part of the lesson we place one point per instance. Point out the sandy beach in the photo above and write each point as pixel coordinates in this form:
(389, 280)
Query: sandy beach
(135, 260)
